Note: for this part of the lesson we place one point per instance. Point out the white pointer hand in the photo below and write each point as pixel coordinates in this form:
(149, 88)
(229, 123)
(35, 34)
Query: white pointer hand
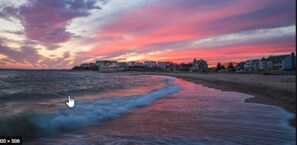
(70, 102)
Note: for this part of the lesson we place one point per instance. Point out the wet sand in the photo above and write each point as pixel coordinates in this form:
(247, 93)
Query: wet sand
(276, 90)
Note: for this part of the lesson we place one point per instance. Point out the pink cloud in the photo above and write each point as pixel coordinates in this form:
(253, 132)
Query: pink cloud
(169, 22)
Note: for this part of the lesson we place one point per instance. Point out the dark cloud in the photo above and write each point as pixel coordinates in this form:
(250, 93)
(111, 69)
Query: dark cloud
(46, 20)
(270, 15)
(30, 55)
(60, 62)
(26, 54)
(51, 46)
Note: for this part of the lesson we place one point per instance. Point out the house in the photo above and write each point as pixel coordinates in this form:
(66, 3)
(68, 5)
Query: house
(182, 67)
(199, 65)
(103, 65)
(104, 62)
(265, 64)
(252, 65)
(83, 66)
(123, 66)
(136, 66)
(135, 63)
(164, 66)
(151, 65)
(281, 62)
(115, 66)
(92, 66)
(239, 67)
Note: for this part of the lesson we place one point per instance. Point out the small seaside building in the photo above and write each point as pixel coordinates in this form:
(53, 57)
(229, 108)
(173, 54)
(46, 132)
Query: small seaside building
(282, 62)
(164, 66)
(136, 66)
(115, 66)
(182, 67)
(123, 66)
(103, 65)
(239, 67)
(88, 66)
(135, 63)
(83, 66)
(199, 65)
(252, 65)
(265, 64)
(150, 65)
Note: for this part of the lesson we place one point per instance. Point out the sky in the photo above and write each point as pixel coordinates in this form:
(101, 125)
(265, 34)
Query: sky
(57, 34)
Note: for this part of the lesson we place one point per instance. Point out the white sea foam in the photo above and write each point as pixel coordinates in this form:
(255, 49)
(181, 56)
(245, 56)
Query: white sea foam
(85, 113)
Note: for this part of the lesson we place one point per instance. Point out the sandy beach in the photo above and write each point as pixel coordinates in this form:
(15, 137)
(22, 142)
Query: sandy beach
(276, 90)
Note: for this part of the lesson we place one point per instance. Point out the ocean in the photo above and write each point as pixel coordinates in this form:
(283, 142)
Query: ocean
(121, 108)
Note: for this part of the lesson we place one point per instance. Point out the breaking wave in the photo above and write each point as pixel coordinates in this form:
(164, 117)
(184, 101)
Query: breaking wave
(85, 112)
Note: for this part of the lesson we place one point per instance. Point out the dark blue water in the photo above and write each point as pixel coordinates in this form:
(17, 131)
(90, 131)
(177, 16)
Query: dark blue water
(120, 108)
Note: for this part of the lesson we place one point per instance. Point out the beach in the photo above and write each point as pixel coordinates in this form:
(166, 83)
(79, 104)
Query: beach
(279, 90)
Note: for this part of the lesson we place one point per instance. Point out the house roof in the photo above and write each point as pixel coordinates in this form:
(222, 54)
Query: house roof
(252, 60)
(277, 58)
(150, 62)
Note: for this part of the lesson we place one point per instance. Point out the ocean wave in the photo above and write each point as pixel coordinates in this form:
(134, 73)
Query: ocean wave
(86, 112)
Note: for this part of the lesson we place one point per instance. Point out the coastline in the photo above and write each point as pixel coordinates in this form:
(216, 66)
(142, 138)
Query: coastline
(271, 90)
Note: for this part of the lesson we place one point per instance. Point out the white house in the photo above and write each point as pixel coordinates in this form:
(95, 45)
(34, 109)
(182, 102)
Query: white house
(265, 64)
(103, 65)
(251, 65)
(150, 64)
(281, 62)
(199, 65)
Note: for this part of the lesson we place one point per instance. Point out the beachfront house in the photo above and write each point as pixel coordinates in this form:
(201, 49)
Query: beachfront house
(134, 63)
(281, 62)
(103, 65)
(239, 67)
(199, 65)
(251, 65)
(164, 66)
(123, 66)
(265, 64)
(114, 66)
(92, 66)
(136, 66)
(83, 65)
(87, 66)
(150, 65)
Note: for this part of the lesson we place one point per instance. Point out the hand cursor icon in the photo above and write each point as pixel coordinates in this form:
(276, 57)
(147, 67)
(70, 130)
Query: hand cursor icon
(70, 102)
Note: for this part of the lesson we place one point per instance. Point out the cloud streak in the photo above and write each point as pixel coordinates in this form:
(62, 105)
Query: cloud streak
(172, 30)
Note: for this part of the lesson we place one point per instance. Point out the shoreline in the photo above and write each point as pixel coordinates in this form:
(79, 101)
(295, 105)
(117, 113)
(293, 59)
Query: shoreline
(283, 97)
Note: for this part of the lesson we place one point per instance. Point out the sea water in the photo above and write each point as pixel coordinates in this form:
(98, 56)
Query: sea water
(121, 108)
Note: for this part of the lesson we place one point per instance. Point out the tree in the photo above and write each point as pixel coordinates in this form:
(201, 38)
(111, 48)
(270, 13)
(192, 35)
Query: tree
(219, 66)
(76, 68)
(231, 67)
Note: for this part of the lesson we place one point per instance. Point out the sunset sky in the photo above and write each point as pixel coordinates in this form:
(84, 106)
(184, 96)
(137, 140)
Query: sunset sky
(53, 34)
